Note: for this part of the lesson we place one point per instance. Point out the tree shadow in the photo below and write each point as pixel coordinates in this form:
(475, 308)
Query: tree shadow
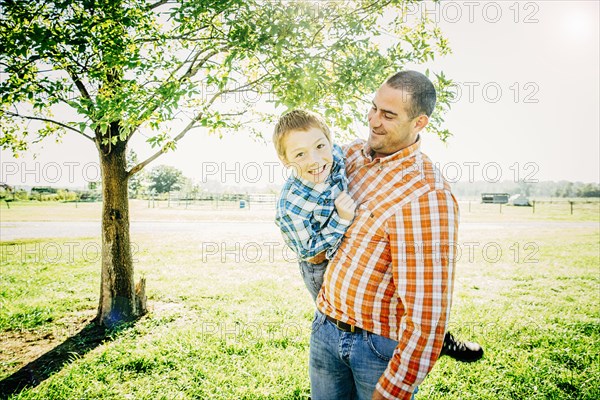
(40, 369)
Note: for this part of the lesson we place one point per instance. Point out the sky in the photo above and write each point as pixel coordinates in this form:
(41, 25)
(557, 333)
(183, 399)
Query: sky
(527, 107)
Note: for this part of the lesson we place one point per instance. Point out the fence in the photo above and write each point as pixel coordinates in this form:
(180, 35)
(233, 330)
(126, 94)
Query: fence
(267, 201)
(213, 201)
(544, 206)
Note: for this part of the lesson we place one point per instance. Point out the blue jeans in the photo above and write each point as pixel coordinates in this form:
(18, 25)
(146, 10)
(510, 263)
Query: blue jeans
(346, 365)
(312, 274)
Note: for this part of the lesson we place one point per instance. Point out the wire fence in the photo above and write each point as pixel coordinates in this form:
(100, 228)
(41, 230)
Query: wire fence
(559, 206)
(213, 201)
(562, 206)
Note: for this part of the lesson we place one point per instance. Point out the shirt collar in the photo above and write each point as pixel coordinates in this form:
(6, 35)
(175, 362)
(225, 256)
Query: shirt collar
(319, 187)
(397, 156)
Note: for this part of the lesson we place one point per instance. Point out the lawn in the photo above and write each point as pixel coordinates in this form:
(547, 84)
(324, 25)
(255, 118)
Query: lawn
(230, 318)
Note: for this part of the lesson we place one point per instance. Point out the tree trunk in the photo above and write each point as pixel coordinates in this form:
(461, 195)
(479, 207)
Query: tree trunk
(118, 299)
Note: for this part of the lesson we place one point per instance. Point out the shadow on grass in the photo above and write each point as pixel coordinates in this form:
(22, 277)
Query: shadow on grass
(40, 369)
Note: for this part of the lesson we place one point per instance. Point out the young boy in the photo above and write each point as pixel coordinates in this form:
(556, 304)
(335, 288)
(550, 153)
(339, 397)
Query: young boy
(314, 209)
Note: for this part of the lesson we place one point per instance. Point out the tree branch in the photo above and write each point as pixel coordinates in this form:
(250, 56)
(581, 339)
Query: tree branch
(157, 4)
(189, 127)
(165, 148)
(191, 71)
(31, 117)
(241, 88)
(186, 37)
(82, 89)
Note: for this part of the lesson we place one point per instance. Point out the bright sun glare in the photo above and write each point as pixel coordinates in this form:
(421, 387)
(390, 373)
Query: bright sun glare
(577, 26)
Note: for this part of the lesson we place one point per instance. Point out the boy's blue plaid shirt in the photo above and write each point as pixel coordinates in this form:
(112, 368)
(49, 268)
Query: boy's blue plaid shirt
(306, 212)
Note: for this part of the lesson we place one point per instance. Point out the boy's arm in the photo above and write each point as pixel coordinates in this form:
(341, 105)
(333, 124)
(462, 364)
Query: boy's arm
(308, 241)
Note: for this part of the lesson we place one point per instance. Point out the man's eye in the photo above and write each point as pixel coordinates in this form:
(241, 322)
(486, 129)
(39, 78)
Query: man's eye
(388, 116)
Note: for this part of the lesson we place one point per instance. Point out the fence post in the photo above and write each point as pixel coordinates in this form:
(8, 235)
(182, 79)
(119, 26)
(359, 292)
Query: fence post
(500, 208)
(533, 208)
(571, 204)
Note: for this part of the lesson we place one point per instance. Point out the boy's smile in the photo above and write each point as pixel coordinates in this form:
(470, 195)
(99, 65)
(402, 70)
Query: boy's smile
(309, 153)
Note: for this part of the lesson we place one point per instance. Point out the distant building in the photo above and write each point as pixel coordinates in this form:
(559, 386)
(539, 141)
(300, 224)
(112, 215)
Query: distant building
(496, 198)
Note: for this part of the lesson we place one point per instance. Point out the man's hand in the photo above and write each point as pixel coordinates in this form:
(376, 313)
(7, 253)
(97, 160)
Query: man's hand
(345, 206)
(377, 396)
(318, 259)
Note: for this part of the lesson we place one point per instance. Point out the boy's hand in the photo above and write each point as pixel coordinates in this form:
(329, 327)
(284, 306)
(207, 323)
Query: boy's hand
(345, 206)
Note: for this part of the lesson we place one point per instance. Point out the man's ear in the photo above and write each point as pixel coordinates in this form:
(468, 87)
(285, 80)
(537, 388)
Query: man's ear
(421, 122)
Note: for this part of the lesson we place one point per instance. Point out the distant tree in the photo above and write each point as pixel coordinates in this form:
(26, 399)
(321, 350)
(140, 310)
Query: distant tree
(136, 181)
(567, 190)
(188, 188)
(6, 193)
(525, 188)
(164, 178)
(113, 68)
(589, 190)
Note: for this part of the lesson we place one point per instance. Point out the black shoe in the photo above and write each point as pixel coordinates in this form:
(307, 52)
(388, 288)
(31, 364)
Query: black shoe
(461, 351)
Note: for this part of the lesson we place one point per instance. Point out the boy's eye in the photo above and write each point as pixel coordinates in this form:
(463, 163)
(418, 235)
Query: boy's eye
(320, 146)
(299, 155)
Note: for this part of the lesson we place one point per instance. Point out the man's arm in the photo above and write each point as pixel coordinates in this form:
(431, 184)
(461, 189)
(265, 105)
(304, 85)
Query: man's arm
(422, 243)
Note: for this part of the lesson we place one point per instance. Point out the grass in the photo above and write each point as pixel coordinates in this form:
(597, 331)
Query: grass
(230, 318)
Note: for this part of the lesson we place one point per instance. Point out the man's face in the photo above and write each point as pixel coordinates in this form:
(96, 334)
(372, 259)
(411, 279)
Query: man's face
(309, 153)
(391, 128)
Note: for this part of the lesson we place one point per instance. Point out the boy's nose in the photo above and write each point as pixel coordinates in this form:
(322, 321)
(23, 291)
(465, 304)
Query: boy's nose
(315, 158)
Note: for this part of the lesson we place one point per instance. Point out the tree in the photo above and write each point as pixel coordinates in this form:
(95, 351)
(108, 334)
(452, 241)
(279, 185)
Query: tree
(114, 68)
(589, 190)
(165, 178)
(189, 189)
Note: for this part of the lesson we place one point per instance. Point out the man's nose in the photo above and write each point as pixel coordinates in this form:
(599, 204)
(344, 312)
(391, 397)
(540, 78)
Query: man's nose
(374, 119)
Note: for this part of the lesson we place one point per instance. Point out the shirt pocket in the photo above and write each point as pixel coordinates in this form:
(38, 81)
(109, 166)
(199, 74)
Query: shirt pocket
(368, 226)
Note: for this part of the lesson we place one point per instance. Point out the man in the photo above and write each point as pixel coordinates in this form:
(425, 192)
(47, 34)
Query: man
(385, 301)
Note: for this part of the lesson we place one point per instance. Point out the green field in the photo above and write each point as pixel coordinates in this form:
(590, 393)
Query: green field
(230, 318)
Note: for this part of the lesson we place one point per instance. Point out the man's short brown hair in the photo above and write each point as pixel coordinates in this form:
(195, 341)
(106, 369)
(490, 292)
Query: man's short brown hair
(297, 120)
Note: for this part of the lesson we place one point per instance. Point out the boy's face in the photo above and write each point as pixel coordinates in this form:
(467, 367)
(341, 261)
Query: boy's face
(309, 153)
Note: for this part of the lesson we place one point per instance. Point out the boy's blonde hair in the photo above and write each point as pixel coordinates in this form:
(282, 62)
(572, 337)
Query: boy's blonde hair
(297, 120)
